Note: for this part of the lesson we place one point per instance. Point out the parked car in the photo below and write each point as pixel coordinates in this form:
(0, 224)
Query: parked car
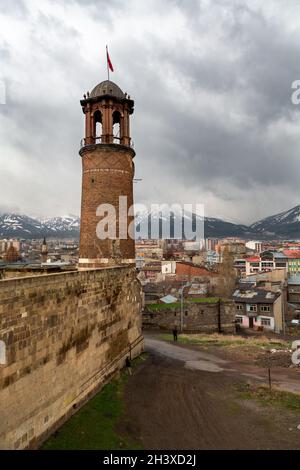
(295, 322)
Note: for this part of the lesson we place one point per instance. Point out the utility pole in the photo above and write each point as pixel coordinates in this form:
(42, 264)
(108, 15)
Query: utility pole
(181, 309)
(269, 377)
(219, 316)
(284, 296)
(181, 304)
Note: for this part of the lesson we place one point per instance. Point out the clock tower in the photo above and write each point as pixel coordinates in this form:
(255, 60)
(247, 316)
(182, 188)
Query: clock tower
(107, 178)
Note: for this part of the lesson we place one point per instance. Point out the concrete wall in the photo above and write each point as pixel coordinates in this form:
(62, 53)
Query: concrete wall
(197, 317)
(64, 336)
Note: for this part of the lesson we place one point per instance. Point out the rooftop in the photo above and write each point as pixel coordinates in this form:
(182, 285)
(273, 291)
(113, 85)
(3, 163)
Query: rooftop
(292, 253)
(254, 296)
(107, 88)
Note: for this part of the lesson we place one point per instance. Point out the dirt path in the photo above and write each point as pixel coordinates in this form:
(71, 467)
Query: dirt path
(283, 378)
(181, 398)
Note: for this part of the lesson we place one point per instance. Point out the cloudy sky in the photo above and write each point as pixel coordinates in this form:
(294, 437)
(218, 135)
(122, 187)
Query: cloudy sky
(211, 80)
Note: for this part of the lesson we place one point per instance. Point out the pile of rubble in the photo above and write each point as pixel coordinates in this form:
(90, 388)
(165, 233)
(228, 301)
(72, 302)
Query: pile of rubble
(275, 358)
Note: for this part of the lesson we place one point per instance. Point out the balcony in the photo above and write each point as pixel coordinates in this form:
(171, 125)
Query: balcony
(106, 140)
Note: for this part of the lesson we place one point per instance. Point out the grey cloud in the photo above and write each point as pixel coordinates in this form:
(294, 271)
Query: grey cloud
(15, 7)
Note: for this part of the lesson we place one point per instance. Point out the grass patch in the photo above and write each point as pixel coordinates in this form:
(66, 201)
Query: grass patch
(184, 339)
(205, 300)
(157, 307)
(263, 395)
(229, 341)
(94, 426)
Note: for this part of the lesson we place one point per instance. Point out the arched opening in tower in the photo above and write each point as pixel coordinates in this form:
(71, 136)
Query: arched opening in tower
(98, 126)
(117, 127)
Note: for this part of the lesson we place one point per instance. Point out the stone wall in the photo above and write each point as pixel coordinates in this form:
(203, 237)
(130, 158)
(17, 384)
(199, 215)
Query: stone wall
(197, 317)
(64, 336)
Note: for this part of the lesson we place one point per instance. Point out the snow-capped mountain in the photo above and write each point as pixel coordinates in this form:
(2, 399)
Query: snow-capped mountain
(69, 224)
(222, 228)
(19, 226)
(185, 223)
(22, 226)
(285, 224)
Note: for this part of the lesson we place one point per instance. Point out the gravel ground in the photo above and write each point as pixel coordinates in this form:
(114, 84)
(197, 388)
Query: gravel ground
(174, 406)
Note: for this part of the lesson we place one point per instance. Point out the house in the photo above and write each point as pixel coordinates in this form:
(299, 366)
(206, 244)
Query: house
(240, 265)
(294, 290)
(266, 261)
(148, 249)
(150, 272)
(211, 243)
(168, 267)
(153, 292)
(254, 245)
(236, 248)
(212, 257)
(188, 271)
(293, 261)
(258, 308)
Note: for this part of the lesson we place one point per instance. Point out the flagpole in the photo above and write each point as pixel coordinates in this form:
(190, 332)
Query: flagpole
(107, 64)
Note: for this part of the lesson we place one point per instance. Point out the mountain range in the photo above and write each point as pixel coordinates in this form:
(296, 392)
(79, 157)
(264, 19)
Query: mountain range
(285, 225)
(22, 226)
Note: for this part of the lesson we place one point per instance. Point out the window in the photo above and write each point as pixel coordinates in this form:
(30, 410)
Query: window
(265, 308)
(265, 321)
(2, 353)
(98, 125)
(266, 264)
(238, 319)
(116, 126)
(252, 308)
(239, 307)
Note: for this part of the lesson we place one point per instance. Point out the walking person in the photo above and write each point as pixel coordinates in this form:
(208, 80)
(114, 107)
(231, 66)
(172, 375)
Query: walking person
(128, 365)
(175, 333)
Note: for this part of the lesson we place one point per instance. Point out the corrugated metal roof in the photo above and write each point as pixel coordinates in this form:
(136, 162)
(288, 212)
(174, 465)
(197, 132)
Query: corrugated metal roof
(168, 299)
(255, 296)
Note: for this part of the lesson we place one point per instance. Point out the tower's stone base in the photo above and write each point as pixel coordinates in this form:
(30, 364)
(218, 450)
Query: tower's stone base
(107, 175)
(65, 335)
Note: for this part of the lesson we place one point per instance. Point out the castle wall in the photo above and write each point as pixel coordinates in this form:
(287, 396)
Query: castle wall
(62, 336)
(197, 317)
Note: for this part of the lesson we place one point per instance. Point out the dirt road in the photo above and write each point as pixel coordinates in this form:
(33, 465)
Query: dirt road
(193, 358)
(183, 398)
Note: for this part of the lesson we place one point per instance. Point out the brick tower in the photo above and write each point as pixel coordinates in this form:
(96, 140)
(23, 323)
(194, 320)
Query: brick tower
(107, 173)
(44, 251)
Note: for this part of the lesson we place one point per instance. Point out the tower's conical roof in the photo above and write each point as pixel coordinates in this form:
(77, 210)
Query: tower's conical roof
(107, 88)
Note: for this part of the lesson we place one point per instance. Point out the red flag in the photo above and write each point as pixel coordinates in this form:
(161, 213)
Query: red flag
(109, 61)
